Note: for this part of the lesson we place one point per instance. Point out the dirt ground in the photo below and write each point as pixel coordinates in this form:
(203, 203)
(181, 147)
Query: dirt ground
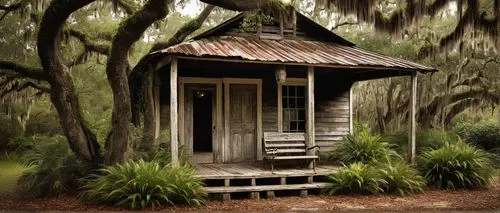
(486, 199)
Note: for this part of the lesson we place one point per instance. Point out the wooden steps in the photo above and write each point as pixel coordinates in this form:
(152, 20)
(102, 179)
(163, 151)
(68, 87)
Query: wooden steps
(232, 189)
(226, 181)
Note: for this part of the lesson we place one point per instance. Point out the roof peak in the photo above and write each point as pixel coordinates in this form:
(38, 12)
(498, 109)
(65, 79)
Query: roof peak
(269, 26)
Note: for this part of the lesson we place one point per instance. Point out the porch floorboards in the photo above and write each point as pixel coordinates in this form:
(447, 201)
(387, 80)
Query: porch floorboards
(257, 170)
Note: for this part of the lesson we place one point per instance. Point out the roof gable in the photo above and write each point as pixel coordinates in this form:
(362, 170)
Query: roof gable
(299, 27)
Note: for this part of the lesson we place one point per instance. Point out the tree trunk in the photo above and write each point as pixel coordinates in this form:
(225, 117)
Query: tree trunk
(129, 32)
(81, 140)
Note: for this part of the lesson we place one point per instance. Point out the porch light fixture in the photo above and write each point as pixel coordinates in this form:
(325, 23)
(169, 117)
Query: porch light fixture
(280, 74)
(201, 93)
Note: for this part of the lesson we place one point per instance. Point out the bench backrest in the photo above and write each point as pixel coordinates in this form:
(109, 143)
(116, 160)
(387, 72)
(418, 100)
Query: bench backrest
(285, 143)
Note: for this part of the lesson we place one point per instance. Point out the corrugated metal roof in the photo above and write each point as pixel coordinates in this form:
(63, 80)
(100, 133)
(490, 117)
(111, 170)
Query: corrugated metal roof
(290, 51)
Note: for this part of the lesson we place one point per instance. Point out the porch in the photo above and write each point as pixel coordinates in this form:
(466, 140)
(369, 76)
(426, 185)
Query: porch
(253, 180)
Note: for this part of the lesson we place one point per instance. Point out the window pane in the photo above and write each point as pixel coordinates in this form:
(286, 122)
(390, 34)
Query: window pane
(293, 115)
(301, 91)
(302, 114)
(285, 103)
(291, 90)
(301, 103)
(302, 126)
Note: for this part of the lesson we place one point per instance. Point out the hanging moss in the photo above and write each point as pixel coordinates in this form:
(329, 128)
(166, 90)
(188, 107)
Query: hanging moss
(253, 20)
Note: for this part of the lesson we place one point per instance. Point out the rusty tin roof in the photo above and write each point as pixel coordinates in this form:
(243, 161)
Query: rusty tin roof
(317, 53)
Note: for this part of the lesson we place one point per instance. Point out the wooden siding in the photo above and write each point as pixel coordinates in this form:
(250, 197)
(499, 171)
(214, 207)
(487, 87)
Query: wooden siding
(331, 109)
(331, 96)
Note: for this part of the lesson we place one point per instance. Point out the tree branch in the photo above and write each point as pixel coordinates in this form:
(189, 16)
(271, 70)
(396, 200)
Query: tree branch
(20, 86)
(129, 7)
(343, 24)
(243, 5)
(12, 7)
(23, 70)
(89, 44)
(186, 30)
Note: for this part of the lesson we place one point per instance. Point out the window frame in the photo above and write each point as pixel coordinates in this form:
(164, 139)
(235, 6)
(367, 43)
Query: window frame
(289, 82)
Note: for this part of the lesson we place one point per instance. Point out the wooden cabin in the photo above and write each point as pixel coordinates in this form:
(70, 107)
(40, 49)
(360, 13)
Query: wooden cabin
(224, 89)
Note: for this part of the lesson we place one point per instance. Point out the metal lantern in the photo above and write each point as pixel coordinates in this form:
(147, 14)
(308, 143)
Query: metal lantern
(281, 74)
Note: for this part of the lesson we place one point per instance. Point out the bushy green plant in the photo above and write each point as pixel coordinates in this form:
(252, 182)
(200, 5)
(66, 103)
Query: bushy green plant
(53, 168)
(9, 130)
(426, 139)
(162, 156)
(401, 178)
(362, 146)
(485, 134)
(457, 165)
(141, 184)
(356, 178)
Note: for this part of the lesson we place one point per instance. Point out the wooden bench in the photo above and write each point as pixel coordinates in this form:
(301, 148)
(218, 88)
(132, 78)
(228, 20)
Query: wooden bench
(288, 146)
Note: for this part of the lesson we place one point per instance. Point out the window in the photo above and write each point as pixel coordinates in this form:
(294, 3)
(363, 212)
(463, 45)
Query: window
(294, 108)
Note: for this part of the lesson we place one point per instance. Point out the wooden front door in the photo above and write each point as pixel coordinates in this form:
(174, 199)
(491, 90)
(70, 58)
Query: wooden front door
(243, 123)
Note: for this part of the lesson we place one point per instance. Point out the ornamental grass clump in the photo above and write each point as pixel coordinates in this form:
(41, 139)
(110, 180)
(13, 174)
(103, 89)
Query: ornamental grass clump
(400, 178)
(364, 147)
(457, 165)
(356, 178)
(141, 184)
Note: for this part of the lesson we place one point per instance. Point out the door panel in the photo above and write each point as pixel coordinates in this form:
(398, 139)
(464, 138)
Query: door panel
(243, 123)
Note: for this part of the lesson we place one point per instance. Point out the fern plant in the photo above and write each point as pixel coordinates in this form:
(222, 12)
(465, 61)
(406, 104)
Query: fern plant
(54, 169)
(362, 146)
(141, 184)
(401, 178)
(457, 165)
(356, 178)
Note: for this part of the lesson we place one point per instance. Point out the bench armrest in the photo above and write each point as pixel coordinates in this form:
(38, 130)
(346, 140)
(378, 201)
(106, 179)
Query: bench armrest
(271, 151)
(317, 149)
(313, 147)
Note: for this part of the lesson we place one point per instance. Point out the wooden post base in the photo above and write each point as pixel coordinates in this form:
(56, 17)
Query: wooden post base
(226, 197)
(254, 195)
(270, 195)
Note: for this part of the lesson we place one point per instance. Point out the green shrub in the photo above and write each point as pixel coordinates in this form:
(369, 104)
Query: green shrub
(426, 139)
(363, 147)
(162, 156)
(357, 178)
(401, 178)
(457, 165)
(141, 184)
(485, 135)
(53, 168)
(9, 131)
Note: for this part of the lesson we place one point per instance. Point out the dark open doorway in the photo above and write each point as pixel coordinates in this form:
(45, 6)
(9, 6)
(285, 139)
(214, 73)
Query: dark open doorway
(203, 124)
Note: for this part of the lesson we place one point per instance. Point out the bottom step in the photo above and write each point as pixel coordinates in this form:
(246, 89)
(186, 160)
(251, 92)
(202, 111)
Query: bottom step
(230, 189)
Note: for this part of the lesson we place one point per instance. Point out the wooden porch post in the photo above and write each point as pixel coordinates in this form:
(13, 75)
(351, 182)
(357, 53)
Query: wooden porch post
(411, 120)
(174, 125)
(310, 110)
(156, 94)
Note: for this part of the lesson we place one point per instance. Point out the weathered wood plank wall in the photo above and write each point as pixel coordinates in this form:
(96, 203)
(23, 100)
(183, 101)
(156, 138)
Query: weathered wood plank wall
(331, 95)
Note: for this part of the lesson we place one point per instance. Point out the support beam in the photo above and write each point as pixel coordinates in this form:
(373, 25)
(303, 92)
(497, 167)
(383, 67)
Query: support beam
(310, 110)
(174, 113)
(156, 94)
(351, 117)
(412, 127)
